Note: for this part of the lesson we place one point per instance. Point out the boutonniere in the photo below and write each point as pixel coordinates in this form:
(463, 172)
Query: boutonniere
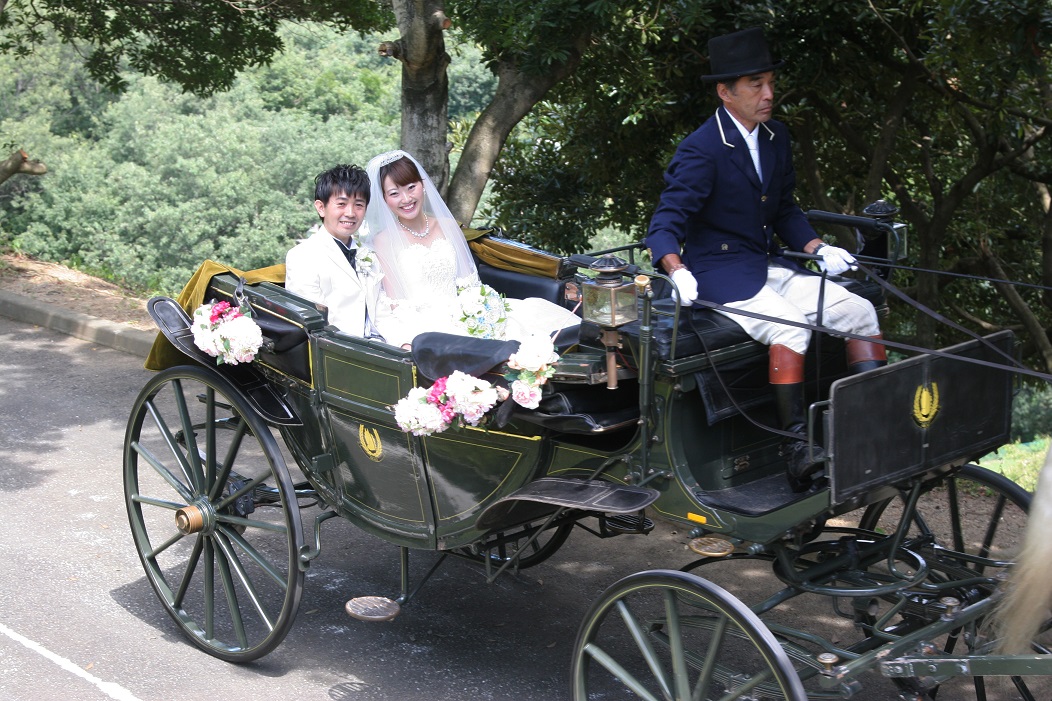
(365, 261)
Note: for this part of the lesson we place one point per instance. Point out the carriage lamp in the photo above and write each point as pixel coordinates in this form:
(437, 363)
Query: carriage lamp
(610, 303)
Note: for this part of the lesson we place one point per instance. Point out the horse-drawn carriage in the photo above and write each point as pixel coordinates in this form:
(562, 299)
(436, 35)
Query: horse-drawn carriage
(650, 410)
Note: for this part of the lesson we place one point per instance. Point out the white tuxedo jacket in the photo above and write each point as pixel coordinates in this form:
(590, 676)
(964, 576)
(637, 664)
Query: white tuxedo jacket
(317, 269)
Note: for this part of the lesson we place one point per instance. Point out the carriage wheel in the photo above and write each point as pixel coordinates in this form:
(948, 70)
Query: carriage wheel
(664, 634)
(974, 511)
(509, 545)
(213, 513)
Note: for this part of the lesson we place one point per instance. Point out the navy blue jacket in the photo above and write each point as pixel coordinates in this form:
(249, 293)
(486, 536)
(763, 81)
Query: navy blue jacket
(717, 214)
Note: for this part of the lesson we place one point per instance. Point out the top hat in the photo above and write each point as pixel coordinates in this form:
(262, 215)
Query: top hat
(738, 54)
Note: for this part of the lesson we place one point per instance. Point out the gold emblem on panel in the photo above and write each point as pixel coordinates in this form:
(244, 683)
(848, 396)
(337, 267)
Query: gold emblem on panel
(926, 404)
(369, 440)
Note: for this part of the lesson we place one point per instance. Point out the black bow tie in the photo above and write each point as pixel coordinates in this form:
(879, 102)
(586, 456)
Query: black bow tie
(348, 252)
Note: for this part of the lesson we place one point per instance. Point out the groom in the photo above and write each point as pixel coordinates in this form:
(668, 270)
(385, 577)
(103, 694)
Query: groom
(329, 268)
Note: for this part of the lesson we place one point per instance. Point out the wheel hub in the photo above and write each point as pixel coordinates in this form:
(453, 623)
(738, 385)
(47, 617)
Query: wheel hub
(194, 518)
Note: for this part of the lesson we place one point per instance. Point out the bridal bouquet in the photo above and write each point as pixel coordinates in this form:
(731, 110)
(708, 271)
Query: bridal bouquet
(461, 399)
(226, 333)
(483, 313)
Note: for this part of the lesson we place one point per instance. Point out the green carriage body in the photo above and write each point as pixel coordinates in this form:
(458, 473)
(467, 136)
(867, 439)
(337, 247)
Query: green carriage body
(667, 439)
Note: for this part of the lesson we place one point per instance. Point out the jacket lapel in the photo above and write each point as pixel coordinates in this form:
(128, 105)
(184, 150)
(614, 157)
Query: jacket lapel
(329, 248)
(739, 150)
(767, 154)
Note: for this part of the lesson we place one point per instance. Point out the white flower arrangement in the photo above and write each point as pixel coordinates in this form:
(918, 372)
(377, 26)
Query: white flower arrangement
(452, 401)
(461, 399)
(483, 312)
(226, 333)
(533, 365)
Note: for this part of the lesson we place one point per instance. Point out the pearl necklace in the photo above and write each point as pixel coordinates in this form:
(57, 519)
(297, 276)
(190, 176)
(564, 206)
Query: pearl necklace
(418, 234)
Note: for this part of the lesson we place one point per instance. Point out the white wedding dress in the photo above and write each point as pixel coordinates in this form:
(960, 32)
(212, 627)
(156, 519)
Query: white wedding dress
(428, 275)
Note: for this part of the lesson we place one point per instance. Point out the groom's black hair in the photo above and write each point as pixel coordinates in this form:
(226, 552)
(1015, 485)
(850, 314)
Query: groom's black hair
(350, 180)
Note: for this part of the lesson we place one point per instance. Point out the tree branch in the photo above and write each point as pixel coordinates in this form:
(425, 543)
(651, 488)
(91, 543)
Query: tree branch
(18, 163)
(1019, 305)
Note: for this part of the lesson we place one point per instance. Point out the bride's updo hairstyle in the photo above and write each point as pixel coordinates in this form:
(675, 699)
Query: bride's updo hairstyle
(401, 172)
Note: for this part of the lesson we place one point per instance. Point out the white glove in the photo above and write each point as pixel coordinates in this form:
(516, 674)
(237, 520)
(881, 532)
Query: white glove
(686, 290)
(835, 260)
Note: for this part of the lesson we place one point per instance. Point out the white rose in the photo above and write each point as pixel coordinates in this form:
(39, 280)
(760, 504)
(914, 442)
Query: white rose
(535, 352)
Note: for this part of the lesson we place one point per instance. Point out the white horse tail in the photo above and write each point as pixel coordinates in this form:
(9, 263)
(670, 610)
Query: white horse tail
(1028, 592)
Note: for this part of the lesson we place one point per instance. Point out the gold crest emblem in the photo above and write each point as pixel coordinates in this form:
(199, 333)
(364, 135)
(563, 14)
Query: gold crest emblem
(369, 440)
(926, 404)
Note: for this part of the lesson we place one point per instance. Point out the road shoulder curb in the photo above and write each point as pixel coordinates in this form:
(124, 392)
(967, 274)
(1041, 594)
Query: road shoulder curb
(121, 337)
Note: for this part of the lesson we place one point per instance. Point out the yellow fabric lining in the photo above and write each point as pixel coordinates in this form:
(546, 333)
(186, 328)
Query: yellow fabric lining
(512, 255)
(163, 354)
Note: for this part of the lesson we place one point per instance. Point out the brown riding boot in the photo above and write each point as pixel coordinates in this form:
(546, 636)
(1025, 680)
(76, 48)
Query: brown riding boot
(786, 374)
(865, 355)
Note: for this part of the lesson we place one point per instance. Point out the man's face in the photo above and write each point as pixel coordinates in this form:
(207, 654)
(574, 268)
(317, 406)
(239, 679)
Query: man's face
(342, 215)
(750, 99)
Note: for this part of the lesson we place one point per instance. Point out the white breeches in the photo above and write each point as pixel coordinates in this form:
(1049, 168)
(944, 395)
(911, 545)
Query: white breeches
(793, 296)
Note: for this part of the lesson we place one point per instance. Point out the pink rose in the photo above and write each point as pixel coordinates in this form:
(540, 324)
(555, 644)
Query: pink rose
(218, 310)
(437, 392)
(526, 395)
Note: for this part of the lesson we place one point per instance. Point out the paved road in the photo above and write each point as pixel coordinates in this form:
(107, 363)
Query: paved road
(79, 622)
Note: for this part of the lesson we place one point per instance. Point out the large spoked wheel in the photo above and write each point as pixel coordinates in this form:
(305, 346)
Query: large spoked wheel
(672, 636)
(971, 525)
(974, 511)
(213, 514)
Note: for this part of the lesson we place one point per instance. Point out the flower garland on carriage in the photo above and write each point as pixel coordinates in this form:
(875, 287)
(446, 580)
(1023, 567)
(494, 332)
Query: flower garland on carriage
(460, 399)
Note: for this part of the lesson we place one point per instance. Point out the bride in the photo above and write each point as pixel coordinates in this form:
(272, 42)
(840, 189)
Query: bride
(428, 269)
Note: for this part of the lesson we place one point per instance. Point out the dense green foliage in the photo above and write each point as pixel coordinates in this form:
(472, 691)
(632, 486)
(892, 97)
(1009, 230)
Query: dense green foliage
(146, 185)
(918, 102)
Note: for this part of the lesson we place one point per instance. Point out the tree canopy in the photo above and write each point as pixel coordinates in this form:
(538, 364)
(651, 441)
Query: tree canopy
(918, 102)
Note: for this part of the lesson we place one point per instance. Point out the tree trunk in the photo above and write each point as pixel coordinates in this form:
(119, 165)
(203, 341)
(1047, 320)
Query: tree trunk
(425, 85)
(517, 93)
(18, 163)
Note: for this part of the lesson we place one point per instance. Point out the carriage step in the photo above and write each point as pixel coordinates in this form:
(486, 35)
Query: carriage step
(624, 524)
(372, 608)
(711, 546)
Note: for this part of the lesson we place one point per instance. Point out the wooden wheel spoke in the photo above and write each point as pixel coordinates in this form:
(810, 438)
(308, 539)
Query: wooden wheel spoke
(256, 556)
(236, 567)
(991, 528)
(956, 529)
(708, 664)
(193, 459)
(244, 489)
(167, 475)
(225, 467)
(675, 634)
(188, 573)
(622, 674)
(680, 627)
(639, 635)
(231, 596)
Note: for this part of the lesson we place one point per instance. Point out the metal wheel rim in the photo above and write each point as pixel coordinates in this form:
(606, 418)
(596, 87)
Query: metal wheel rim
(686, 674)
(228, 594)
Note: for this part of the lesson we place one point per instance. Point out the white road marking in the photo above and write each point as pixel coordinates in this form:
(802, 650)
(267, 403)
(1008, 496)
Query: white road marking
(114, 691)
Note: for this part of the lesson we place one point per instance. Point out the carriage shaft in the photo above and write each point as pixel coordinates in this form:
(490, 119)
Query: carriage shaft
(942, 667)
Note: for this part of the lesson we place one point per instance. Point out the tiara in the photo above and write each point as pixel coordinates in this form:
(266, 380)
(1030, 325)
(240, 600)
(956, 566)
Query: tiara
(388, 158)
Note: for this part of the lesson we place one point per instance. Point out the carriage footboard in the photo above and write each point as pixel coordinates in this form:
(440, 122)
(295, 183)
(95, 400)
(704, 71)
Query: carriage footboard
(924, 413)
(587, 495)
